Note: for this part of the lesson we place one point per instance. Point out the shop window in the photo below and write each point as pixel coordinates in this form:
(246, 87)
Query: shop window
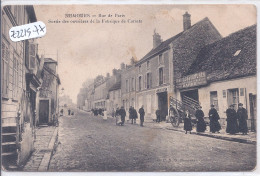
(214, 99)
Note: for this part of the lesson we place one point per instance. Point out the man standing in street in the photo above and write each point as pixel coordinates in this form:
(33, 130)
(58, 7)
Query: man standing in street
(214, 117)
(122, 114)
(158, 115)
(242, 119)
(142, 113)
(232, 126)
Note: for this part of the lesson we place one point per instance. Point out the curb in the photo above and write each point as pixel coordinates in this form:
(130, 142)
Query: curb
(246, 141)
(47, 156)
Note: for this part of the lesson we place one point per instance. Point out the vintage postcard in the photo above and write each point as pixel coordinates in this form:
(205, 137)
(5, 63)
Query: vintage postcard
(128, 88)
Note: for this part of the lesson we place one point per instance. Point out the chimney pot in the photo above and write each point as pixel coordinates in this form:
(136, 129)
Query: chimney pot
(186, 21)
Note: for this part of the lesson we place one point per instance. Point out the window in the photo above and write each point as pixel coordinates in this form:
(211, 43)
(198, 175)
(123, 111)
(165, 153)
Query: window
(233, 97)
(242, 92)
(15, 77)
(139, 68)
(126, 85)
(32, 56)
(214, 99)
(133, 84)
(148, 65)
(149, 80)
(140, 83)
(160, 59)
(160, 76)
(224, 93)
(5, 69)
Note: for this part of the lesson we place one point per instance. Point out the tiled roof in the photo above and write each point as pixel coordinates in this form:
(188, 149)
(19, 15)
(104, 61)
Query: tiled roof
(231, 57)
(165, 44)
(116, 86)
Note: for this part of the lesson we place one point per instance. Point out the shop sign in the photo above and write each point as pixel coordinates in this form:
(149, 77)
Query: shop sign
(193, 80)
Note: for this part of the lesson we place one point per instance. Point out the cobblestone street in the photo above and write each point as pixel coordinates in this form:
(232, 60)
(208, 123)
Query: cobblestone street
(88, 143)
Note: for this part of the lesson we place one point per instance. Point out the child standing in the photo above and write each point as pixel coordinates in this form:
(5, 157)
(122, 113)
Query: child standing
(187, 122)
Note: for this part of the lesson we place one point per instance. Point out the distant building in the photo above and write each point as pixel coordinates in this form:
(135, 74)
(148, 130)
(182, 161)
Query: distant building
(49, 93)
(114, 97)
(229, 74)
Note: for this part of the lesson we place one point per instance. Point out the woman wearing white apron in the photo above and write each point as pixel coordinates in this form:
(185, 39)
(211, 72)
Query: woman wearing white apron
(105, 115)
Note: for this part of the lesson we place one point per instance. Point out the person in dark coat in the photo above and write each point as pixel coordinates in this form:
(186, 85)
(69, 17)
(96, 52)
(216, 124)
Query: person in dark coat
(134, 113)
(122, 114)
(242, 119)
(232, 126)
(214, 117)
(201, 125)
(187, 122)
(158, 115)
(69, 112)
(131, 114)
(142, 113)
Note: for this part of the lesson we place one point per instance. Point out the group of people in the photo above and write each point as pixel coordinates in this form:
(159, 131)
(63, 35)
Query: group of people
(236, 120)
(97, 111)
(132, 115)
(70, 112)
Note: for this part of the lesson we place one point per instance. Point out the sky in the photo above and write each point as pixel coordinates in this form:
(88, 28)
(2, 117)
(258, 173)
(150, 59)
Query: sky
(85, 50)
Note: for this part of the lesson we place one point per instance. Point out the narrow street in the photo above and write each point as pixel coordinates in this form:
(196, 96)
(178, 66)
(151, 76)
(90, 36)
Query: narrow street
(88, 143)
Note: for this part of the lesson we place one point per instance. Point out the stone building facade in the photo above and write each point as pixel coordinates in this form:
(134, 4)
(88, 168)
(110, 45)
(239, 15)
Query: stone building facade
(19, 82)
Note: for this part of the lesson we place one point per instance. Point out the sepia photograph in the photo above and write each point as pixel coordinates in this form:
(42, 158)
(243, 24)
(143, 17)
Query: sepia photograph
(128, 88)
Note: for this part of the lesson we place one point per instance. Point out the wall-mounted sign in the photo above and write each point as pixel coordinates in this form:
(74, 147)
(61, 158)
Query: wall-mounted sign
(193, 80)
(161, 90)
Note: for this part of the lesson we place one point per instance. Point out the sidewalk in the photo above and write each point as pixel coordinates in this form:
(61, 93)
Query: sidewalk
(250, 138)
(44, 146)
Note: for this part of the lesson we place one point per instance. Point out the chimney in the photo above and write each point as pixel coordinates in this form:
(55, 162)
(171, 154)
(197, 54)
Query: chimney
(156, 39)
(186, 21)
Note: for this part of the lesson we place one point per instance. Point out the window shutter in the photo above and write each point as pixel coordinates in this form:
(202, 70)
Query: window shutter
(164, 77)
(32, 56)
(151, 80)
(145, 77)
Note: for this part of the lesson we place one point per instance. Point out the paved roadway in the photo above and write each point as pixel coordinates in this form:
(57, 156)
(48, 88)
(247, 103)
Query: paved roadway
(89, 143)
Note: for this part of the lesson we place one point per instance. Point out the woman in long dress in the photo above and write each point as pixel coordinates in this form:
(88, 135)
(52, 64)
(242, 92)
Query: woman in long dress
(201, 125)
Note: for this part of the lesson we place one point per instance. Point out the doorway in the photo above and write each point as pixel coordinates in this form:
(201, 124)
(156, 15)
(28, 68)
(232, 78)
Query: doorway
(44, 112)
(163, 104)
(193, 94)
(252, 102)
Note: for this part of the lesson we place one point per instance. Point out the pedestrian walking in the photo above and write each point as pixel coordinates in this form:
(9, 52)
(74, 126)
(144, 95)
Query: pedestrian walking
(201, 125)
(187, 122)
(242, 119)
(122, 114)
(214, 117)
(61, 112)
(131, 114)
(135, 116)
(158, 115)
(142, 113)
(232, 126)
(105, 114)
(69, 112)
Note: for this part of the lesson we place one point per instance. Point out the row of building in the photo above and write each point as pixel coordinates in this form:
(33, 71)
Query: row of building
(29, 89)
(197, 65)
